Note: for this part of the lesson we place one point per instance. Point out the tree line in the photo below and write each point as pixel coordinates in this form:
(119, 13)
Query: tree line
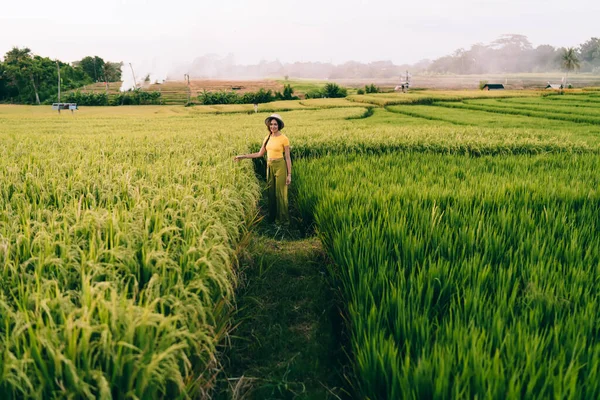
(514, 53)
(511, 53)
(32, 79)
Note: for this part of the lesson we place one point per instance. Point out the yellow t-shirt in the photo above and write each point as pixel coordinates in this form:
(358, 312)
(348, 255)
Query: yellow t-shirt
(276, 145)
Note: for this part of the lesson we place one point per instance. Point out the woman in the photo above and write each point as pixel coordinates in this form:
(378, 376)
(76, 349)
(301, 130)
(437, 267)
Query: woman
(279, 168)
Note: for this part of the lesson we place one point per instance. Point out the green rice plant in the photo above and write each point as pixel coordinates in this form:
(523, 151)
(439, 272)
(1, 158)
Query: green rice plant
(546, 108)
(119, 227)
(553, 103)
(430, 96)
(578, 118)
(464, 277)
(117, 240)
(466, 115)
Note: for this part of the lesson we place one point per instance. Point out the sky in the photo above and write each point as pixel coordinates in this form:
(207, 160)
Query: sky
(174, 32)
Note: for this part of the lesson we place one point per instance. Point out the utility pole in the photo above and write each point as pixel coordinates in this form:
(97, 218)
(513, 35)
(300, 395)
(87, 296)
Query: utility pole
(134, 81)
(187, 77)
(58, 69)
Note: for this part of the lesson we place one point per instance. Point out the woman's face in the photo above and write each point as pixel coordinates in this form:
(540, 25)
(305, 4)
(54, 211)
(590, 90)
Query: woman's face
(273, 125)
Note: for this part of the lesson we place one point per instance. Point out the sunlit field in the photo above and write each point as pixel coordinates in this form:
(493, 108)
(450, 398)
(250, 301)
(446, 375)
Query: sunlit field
(461, 225)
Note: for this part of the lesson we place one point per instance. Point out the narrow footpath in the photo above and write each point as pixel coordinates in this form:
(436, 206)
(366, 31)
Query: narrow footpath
(286, 344)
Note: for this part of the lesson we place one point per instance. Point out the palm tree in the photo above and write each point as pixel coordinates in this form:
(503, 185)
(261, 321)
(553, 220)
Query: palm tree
(569, 61)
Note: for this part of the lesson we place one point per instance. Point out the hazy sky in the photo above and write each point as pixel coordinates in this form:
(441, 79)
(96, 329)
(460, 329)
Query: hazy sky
(335, 31)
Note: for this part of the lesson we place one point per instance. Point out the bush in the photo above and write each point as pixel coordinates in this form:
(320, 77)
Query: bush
(313, 94)
(360, 91)
(136, 98)
(333, 90)
(86, 99)
(220, 97)
(372, 89)
(288, 93)
(261, 96)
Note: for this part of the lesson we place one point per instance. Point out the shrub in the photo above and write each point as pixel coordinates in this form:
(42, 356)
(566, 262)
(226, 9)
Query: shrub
(333, 90)
(220, 97)
(372, 89)
(288, 93)
(136, 98)
(86, 99)
(313, 94)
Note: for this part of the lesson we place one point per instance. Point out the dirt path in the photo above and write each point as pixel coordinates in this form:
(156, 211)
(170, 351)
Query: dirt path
(286, 344)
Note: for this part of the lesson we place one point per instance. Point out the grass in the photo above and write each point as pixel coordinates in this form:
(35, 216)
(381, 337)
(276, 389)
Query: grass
(286, 345)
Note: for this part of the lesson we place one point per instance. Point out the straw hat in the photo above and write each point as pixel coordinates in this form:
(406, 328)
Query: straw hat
(277, 117)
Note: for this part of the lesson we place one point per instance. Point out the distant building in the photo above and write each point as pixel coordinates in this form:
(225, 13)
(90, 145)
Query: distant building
(493, 86)
(554, 86)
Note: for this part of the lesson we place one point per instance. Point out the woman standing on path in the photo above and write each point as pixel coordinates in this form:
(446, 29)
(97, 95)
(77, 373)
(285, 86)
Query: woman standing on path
(279, 168)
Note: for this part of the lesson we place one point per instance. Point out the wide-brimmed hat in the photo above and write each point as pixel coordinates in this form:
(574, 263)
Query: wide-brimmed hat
(277, 117)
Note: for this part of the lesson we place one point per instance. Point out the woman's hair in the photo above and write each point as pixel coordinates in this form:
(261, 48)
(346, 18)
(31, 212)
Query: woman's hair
(269, 129)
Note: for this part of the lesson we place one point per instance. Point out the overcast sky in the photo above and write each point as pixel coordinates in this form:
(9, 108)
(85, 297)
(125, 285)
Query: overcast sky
(308, 30)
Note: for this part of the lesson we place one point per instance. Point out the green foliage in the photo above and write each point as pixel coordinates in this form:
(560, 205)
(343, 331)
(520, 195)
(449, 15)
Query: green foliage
(117, 250)
(288, 93)
(28, 78)
(258, 97)
(86, 99)
(360, 91)
(433, 251)
(371, 89)
(219, 97)
(134, 97)
(482, 84)
(590, 50)
(93, 67)
(330, 90)
(313, 94)
(569, 59)
(333, 90)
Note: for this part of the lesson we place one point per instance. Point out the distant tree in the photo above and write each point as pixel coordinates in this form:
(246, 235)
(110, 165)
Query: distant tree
(112, 71)
(4, 88)
(590, 50)
(288, 93)
(512, 42)
(545, 58)
(21, 70)
(332, 90)
(570, 61)
(93, 67)
(371, 89)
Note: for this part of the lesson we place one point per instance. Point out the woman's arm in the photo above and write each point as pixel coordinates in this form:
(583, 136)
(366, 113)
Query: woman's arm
(288, 163)
(259, 154)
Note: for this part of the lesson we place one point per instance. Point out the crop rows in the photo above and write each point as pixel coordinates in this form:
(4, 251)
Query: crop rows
(526, 111)
(590, 110)
(463, 241)
(464, 277)
(117, 238)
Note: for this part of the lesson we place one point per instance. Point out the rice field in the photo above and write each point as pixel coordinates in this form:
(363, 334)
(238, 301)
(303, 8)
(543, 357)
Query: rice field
(462, 230)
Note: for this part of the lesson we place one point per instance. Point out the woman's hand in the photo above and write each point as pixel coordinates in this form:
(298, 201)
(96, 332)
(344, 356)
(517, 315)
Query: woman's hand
(288, 179)
(238, 158)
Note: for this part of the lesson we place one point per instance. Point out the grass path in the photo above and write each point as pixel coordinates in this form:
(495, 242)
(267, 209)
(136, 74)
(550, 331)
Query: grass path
(286, 343)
